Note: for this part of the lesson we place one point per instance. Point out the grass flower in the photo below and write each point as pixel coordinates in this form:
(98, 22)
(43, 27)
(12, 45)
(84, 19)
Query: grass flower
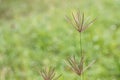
(78, 21)
(77, 66)
(49, 74)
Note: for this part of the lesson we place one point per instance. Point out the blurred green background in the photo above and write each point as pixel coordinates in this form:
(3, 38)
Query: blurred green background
(35, 34)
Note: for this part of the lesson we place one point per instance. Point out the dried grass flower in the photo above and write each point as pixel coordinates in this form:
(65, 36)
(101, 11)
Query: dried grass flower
(77, 66)
(49, 74)
(78, 21)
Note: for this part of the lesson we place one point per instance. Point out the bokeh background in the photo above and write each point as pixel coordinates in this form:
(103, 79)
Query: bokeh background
(34, 34)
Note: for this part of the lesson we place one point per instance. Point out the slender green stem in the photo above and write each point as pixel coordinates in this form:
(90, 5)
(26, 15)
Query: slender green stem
(81, 77)
(81, 44)
(81, 52)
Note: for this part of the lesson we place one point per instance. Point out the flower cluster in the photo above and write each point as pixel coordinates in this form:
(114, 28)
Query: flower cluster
(49, 74)
(78, 21)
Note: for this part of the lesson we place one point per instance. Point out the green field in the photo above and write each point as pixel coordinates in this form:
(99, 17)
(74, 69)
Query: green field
(34, 34)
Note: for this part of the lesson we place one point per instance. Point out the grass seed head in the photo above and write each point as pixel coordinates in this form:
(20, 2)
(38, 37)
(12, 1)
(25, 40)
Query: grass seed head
(77, 66)
(78, 21)
(49, 74)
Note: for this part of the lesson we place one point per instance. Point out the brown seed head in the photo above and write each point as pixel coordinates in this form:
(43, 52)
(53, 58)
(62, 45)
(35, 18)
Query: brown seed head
(77, 66)
(49, 74)
(78, 21)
